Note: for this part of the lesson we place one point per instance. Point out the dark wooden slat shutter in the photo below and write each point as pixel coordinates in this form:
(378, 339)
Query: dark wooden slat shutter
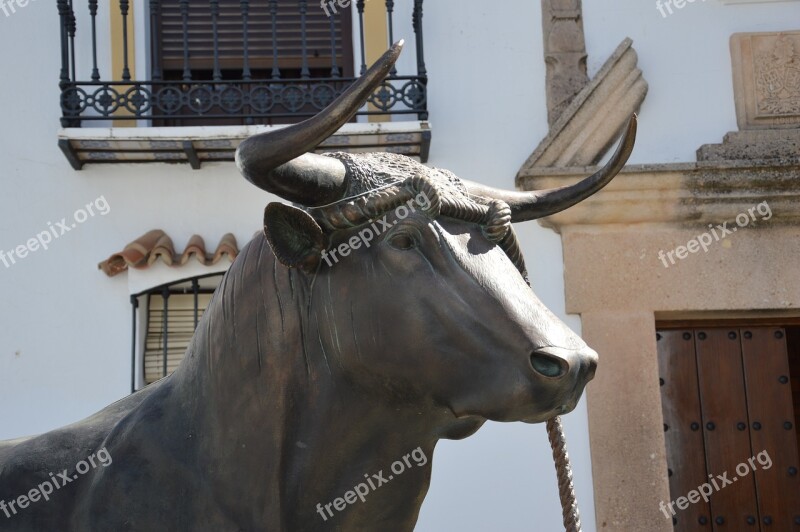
(723, 404)
(745, 377)
(686, 458)
(230, 28)
(180, 329)
(769, 402)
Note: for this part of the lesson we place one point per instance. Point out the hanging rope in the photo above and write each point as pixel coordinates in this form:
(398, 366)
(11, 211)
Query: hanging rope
(566, 491)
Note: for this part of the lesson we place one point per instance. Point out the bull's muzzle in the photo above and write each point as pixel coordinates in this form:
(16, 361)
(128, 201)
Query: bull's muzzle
(570, 368)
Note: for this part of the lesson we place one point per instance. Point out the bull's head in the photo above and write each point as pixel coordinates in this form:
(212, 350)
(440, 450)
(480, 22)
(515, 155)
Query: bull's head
(427, 296)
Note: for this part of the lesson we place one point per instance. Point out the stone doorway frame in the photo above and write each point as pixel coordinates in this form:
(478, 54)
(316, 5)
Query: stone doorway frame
(616, 282)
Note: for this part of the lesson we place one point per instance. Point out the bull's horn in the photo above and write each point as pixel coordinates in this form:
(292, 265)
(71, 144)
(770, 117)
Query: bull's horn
(540, 203)
(276, 161)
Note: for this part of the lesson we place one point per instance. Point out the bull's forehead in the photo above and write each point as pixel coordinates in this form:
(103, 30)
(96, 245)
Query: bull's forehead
(481, 258)
(369, 171)
(491, 269)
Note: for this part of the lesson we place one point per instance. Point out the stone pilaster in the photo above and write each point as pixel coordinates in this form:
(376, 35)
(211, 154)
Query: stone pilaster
(564, 54)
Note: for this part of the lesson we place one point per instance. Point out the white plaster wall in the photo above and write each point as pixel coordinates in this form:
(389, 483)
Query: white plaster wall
(65, 327)
(685, 58)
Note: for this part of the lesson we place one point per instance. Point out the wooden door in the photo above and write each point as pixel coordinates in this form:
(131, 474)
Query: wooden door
(729, 423)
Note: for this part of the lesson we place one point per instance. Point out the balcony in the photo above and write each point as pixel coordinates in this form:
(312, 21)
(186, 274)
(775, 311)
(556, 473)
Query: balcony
(192, 78)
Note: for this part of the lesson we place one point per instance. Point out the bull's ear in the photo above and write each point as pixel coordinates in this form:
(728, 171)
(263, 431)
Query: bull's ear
(294, 236)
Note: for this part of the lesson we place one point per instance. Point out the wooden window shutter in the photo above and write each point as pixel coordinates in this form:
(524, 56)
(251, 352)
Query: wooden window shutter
(260, 37)
(178, 332)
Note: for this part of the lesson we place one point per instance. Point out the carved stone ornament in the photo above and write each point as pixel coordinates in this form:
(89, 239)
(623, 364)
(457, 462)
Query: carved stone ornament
(766, 74)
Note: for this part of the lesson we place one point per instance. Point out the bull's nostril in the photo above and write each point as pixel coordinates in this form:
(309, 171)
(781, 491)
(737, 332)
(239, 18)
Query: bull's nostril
(591, 368)
(548, 365)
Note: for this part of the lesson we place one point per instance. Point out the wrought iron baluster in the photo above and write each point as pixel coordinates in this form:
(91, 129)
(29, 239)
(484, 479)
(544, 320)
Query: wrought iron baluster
(273, 10)
(63, 13)
(390, 22)
(68, 93)
(215, 34)
(422, 72)
(196, 292)
(305, 73)
(246, 75)
(123, 7)
(187, 71)
(93, 16)
(334, 67)
(360, 7)
(155, 37)
(134, 307)
(72, 27)
(165, 325)
(417, 19)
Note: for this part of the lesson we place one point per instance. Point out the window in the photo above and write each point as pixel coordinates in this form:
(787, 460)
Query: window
(281, 44)
(169, 315)
(232, 63)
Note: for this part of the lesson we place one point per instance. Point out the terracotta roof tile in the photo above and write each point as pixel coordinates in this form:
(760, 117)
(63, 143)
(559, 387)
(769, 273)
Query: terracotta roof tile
(156, 244)
(195, 248)
(227, 246)
(163, 250)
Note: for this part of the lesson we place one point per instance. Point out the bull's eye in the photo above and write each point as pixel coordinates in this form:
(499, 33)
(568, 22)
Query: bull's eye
(403, 241)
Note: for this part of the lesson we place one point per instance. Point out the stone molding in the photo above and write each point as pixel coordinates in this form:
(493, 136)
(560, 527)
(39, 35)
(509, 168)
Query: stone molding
(780, 146)
(683, 194)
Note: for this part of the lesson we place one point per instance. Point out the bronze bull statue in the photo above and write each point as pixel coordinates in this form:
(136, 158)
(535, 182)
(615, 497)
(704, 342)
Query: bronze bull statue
(326, 357)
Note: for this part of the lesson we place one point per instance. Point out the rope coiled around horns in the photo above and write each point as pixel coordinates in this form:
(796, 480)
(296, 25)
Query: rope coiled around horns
(494, 216)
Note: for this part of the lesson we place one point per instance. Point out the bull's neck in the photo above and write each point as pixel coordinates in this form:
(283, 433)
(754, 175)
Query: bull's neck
(283, 431)
(344, 443)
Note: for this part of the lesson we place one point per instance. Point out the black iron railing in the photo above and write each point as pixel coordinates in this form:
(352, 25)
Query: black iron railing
(231, 62)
